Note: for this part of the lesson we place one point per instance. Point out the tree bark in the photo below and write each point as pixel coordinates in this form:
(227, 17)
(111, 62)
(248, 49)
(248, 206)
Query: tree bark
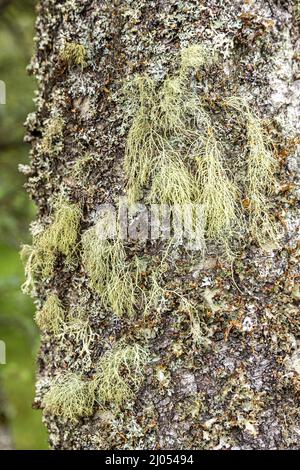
(5, 434)
(240, 391)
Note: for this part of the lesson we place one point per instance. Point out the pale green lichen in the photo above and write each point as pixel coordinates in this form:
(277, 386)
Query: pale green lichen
(141, 148)
(172, 149)
(260, 181)
(121, 372)
(31, 265)
(70, 397)
(155, 294)
(297, 9)
(119, 375)
(217, 193)
(109, 273)
(173, 184)
(77, 328)
(59, 237)
(174, 156)
(51, 317)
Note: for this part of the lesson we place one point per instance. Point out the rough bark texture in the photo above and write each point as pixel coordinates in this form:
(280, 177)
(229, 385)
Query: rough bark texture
(241, 391)
(5, 435)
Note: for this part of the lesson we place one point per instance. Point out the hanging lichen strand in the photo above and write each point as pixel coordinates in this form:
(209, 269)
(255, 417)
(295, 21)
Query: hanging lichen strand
(109, 273)
(173, 155)
(120, 373)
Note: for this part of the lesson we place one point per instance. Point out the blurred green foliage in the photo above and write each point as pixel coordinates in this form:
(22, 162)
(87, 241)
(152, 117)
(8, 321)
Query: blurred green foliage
(17, 328)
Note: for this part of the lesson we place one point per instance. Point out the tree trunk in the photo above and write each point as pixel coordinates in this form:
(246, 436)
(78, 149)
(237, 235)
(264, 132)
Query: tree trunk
(217, 358)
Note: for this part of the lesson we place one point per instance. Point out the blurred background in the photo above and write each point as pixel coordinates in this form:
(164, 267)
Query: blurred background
(20, 426)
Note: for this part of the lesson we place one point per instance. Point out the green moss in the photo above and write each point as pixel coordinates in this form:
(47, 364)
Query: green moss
(74, 54)
(51, 317)
(58, 237)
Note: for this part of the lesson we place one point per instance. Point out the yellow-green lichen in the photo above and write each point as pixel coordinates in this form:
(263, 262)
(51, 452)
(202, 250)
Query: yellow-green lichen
(74, 54)
(260, 179)
(70, 397)
(78, 329)
(217, 193)
(121, 372)
(119, 375)
(31, 266)
(172, 149)
(59, 237)
(109, 273)
(51, 142)
(174, 156)
(297, 9)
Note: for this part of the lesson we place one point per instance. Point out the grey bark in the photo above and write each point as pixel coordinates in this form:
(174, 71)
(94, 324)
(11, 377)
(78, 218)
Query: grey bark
(243, 391)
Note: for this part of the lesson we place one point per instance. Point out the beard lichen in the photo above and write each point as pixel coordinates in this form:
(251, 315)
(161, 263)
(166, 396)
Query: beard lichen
(141, 143)
(121, 372)
(51, 317)
(31, 264)
(74, 54)
(51, 142)
(108, 271)
(217, 193)
(78, 330)
(172, 150)
(59, 237)
(174, 156)
(172, 184)
(118, 378)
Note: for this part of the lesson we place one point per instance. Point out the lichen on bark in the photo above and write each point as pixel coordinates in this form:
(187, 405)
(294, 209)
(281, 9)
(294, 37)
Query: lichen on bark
(238, 386)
